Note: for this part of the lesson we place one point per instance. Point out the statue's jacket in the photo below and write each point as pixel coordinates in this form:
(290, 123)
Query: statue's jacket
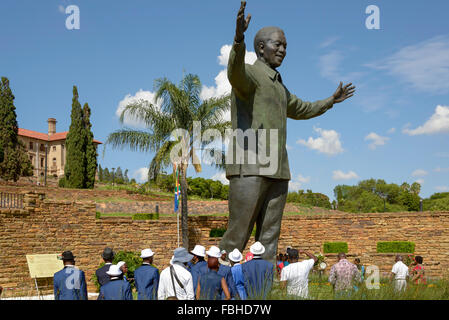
(259, 100)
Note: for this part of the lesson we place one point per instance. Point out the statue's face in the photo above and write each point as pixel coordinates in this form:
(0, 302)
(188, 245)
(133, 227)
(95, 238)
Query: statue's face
(274, 49)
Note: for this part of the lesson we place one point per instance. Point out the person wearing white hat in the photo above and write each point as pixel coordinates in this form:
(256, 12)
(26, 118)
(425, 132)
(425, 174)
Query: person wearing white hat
(199, 253)
(146, 277)
(223, 271)
(124, 268)
(115, 289)
(258, 273)
(235, 257)
(176, 281)
(211, 284)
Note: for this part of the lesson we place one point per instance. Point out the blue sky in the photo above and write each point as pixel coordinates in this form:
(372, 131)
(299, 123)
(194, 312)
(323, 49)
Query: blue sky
(395, 128)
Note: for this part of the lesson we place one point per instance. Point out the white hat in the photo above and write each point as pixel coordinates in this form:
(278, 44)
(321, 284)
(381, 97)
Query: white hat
(114, 271)
(120, 264)
(235, 256)
(199, 251)
(223, 251)
(146, 253)
(214, 252)
(257, 249)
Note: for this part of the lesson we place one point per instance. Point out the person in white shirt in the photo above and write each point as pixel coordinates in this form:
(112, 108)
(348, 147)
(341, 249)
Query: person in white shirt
(295, 276)
(399, 274)
(176, 281)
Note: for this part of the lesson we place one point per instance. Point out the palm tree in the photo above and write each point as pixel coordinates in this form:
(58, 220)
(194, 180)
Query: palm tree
(179, 108)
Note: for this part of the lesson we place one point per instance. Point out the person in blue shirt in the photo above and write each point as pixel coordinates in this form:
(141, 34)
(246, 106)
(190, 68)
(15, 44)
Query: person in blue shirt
(258, 274)
(211, 285)
(70, 282)
(116, 288)
(235, 257)
(199, 253)
(223, 271)
(146, 277)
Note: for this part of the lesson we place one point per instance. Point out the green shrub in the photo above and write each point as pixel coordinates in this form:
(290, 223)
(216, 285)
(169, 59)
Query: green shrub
(395, 247)
(62, 182)
(217, 232)
(97, 215)
(335, 247)
(146, 216)
(133, 261)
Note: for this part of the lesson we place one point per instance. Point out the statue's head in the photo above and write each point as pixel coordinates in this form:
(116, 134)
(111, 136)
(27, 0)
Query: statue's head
(270, 45)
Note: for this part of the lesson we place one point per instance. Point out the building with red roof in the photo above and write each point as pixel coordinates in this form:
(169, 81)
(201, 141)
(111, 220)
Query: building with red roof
(46, 150)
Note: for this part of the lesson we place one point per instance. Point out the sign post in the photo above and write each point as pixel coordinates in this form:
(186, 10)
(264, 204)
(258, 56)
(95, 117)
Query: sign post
(43, 266)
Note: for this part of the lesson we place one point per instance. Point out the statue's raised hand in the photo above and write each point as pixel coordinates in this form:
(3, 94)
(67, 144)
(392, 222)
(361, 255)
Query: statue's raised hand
(242, 23)
(343, 93)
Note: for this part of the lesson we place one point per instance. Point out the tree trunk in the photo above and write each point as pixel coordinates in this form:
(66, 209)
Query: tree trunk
(184, 217)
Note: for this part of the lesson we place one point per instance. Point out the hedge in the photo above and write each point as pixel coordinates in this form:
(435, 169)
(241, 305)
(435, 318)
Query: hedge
(395, 247)
(335, 247)
(217, 232)
(146, 216)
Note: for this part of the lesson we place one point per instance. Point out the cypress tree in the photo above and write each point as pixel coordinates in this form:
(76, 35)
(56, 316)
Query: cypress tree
(14, 161)
(90, 150)
(75, 169)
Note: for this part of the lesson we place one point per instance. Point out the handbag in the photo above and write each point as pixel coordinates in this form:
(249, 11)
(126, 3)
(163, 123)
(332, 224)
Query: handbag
(173, 275)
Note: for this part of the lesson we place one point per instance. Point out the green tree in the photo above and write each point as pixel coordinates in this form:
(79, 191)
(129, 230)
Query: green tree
(90, 150)
(75, 168)
(181, 107)
(125, 176)
(14, 161)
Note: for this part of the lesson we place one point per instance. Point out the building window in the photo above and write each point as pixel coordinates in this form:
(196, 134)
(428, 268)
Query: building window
(42, 148)
(42, 162)
(54, 148)
(31, 145)
(54, 162)
(31, 159)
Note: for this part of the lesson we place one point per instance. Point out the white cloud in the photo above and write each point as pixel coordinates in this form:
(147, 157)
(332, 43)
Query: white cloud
(442, 188)
(141, 175)
(140, 95)
(340, 175)
(221, 176)
(330, 67)
(328, 142)
(222, 85)
(419, 173)
(438, 123)
(391, 131)
(442, 154)
(329, 41)
(376, 140)
(439, 169)
(296, 183)
(420, 181)
(424, 66)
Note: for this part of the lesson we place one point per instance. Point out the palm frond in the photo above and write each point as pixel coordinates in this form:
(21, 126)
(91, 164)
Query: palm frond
(135, 140)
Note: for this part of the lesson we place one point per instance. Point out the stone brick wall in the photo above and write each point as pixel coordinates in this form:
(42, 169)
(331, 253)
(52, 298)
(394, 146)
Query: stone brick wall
(52, 226)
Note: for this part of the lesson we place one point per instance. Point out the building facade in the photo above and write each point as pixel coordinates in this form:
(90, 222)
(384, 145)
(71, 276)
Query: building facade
(46, 150)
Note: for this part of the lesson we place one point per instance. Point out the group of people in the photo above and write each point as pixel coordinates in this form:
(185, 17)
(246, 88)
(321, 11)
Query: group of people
(203, 275)
(216, 275)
